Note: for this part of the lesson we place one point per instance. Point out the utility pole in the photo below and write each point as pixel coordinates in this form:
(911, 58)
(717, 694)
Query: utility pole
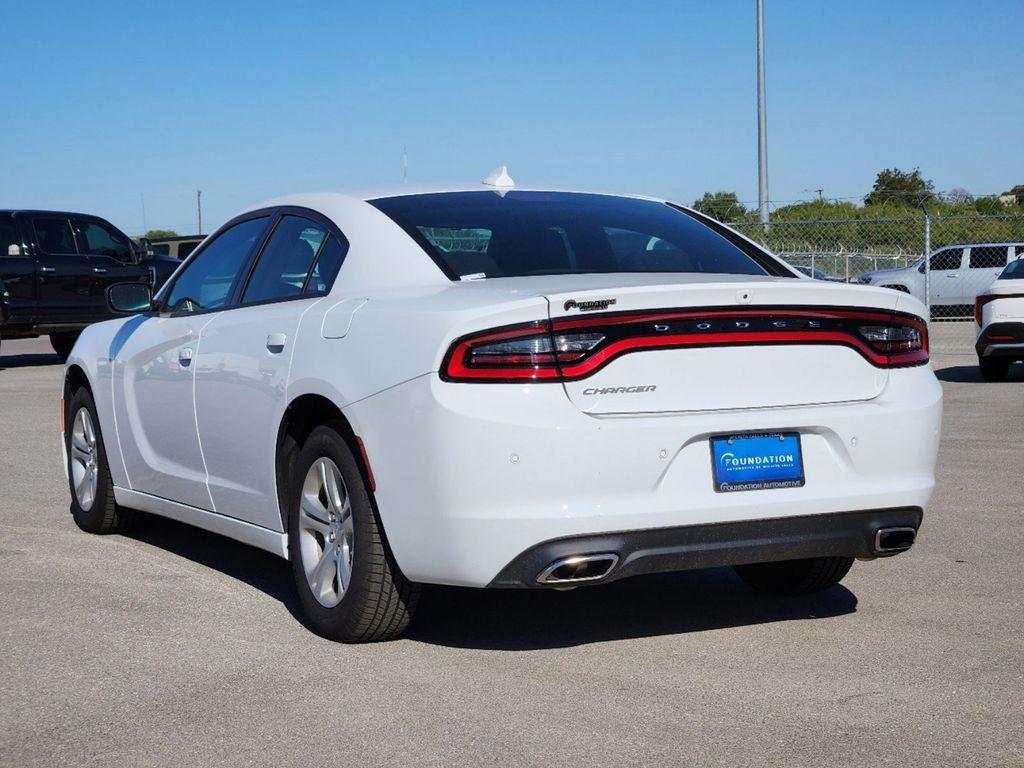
(199, 211)
(405, 164)
(762, 122)
(142, 197)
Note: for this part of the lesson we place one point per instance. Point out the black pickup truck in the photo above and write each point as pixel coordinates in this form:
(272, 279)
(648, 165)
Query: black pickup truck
(55, 268)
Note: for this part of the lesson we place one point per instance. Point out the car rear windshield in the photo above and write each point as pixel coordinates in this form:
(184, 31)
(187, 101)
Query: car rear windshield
(473, 235)
(1014, 270)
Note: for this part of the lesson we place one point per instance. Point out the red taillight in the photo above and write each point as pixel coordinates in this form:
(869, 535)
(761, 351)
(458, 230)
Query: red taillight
(571, 349)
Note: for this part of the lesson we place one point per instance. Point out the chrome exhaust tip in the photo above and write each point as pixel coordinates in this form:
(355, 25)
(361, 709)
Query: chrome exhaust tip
(889, 541)
(578, 569)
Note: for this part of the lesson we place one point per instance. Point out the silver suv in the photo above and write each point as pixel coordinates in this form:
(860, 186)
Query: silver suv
(958, 274)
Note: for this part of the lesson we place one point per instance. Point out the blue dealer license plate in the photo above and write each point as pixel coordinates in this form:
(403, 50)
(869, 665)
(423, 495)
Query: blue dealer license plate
(755, 462)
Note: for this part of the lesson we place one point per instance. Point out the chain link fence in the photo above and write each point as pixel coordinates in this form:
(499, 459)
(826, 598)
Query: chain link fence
(967, 254)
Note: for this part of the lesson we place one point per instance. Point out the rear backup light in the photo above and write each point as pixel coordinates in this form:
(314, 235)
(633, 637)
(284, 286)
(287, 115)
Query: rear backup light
(569, 349)
(892, 338)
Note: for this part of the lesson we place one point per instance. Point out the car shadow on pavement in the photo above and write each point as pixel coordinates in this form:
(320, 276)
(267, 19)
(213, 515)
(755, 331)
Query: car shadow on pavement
(642, 606)
(27, 360)
(249, 565)
(529, 619)
(969, 374)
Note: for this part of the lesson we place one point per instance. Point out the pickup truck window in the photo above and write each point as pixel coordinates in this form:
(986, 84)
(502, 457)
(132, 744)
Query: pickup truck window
(53, 235)
(101, 240)
(8, 234)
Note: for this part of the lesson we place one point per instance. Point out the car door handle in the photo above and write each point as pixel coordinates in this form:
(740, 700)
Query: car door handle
(185, 355)
(47, 270)
(275, 342)
(954, 274)
(100, 270)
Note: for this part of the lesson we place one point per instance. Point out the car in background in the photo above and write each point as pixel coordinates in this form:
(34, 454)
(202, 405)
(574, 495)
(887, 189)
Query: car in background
(55, 268)
(494, 387)
(816, 273)
(958, 274)
(175, 247)
(999, 313)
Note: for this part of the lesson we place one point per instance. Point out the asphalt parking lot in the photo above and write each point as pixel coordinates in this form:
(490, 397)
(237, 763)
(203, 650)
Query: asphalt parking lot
(174, 646)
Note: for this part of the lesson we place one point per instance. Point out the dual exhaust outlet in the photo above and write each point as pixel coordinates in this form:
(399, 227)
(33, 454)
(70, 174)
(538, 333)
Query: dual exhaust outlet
(580, 569)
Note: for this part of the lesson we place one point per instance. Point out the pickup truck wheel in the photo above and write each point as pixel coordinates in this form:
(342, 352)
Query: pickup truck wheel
(62, 343)
(795, 577)
(92, 490)
(348, 582)
(994, 368)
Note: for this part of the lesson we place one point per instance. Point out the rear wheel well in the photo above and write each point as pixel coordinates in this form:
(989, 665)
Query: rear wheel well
(302, 416)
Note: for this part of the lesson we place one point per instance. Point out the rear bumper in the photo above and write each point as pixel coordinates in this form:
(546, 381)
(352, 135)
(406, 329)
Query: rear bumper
(1001, 340)
(847, 534)
(471, 477)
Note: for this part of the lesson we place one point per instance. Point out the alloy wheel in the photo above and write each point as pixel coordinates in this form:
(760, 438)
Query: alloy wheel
(326, 532)
(84, 459)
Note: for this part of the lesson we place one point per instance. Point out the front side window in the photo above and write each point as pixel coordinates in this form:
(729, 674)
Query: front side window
(100, 240)
(945, 260)
(988, 257)
(205, 283)
(484, 234)
(53, 235)
(285, 263)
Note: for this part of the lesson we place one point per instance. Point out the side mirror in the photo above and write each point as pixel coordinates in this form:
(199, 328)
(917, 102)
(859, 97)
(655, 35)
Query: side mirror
(921, 268)
(129, 298)
(13, 250)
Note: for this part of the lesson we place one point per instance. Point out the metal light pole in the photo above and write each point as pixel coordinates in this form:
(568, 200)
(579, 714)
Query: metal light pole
(762, 122)
(199, 211)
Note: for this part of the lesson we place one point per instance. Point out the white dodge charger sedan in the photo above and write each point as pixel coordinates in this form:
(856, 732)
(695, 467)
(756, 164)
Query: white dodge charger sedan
(494, 387)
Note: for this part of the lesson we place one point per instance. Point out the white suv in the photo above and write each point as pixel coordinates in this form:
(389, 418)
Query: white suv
(958, 274)
(999, 312)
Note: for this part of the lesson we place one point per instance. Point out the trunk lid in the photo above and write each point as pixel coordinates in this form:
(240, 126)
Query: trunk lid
(707, 369)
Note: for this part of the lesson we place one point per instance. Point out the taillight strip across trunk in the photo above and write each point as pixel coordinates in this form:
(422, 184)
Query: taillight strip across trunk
(570, 349)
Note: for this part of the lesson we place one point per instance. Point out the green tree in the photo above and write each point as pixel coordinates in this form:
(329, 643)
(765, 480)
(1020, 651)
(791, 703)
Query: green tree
(900, 187)
(160, 234)
(724, 206)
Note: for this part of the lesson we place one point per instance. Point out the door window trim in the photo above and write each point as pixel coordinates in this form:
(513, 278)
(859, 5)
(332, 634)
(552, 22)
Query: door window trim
(238, 286)
(229, 303)
(314, 217)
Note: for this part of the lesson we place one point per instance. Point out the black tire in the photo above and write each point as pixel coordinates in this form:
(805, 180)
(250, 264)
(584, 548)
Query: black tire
(62, 343)
(994, 368)
(103, 515)
(379, 601)
(795, 577)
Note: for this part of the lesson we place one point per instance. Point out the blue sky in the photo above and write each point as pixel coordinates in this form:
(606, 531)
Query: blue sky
(108, 103)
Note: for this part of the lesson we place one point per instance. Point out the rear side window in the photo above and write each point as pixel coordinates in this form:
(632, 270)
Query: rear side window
(53, 235)
(945, 260)
(100, 240)
(185, 249)
(328, 262)
(205, 283)
(988, 257)
(8, 234)
(485, 234)
(285, 263)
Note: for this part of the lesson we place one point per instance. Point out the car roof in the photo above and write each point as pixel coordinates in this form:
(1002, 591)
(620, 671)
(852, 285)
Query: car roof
(49, 213)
